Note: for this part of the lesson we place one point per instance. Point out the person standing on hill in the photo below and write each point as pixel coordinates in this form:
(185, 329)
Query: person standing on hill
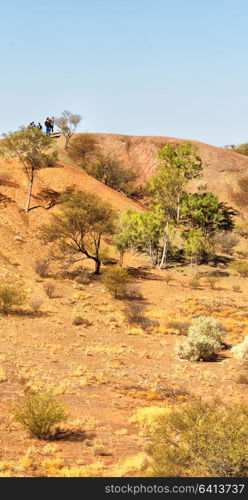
(39, 126)
(52, 123)
(48, 126)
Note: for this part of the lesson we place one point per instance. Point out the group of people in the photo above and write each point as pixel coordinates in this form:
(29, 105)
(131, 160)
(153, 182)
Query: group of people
(49, 125)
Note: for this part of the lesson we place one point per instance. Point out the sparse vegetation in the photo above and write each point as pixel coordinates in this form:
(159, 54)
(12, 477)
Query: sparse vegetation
(35, 305)
(241, 267)
(135, 312)
(49, 289)
(80, 320)
(39, 413)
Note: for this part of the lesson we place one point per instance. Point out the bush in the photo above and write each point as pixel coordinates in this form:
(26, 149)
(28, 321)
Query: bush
(35, 305)
(211, 281)
(240, 351)
(42, 268)
(236, 288)
(82, 148)
(115, 279)
(168, 278)
(194, 283)
(226, 241)
(10, 296)
(49, 289)
(40, 413)
(200, 439)
(80, 320)
(203, 341)
(241, 267)
(135, 313)
(133, 292)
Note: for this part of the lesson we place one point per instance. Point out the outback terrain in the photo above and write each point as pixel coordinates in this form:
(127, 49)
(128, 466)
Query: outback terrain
(106, 369)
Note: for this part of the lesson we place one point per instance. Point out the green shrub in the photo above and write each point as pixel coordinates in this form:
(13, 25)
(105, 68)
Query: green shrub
(115, 279)
(40, 413)
(10, 295)
(200, 439)
(203, 341)
(241, 267)
(240, 351)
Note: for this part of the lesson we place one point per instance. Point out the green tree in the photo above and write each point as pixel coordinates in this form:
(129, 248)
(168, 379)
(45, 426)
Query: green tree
(142, 233)
(79, 227)
(206, 212)
(194, 244)
(179, 163)
(30, 146)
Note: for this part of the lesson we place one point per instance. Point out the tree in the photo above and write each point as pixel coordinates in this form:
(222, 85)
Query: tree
(206, 212)
(29, 146)
(179, 163)
(142, 232)
(109, 170)
(67, 124)
(79, 227)
(82, 148)
(194, 245)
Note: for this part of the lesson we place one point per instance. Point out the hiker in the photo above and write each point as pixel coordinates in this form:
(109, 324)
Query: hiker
(39, 126)
(52, 123)
(48, 126)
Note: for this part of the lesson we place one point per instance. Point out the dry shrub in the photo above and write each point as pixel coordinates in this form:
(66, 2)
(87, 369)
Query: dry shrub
(42, 268)
(168, 278)
(35, 305)
(194, 283)
(203, 341)
(211, 281)
(242, 379)
(240, 351)
(115, 279)
(10, 295)
(236, 288)
(180, 326)
(49, 289)
(135, 313)
(40, 413)
(241, 267)
(80, 320)
(226, 241)
(133, 292)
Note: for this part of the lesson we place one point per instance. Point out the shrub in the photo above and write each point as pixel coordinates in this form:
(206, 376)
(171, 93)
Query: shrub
(42, 268)
(133, 292)
(10, 295)
(203, 341)
(200, 439)
(40, 413)
(236, 288)
(35, 305)
(135, 312)
(240, 351)
(241, 267)
(226, 241)
(168, 278)
(211, 281)
(242, 379)
(80, 320)
(49, 289)
(194, 283)
(115, 279)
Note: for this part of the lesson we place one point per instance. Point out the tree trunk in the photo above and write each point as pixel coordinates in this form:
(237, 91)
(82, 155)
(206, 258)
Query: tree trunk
(97, 266)
(165, 247)
(30, 187)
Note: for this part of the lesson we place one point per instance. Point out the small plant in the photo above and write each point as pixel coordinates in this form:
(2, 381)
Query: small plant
(203, 341)
(135, 313)
(240, 351)
(194, 283)
(242, 379)
(115, 279)
(80, 320)
(236, 288)
(10, 295)
(40, 413)
(35, 305)
(133, 292)
(49, 289)
(168, 278)
(241, 267)
(180, 326)
(211, 281)
(42, 268)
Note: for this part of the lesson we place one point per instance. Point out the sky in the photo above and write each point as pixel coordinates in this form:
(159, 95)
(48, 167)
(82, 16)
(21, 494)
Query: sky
(137, 67)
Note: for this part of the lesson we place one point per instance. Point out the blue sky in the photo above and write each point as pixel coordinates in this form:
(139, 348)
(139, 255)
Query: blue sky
(144, 67)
